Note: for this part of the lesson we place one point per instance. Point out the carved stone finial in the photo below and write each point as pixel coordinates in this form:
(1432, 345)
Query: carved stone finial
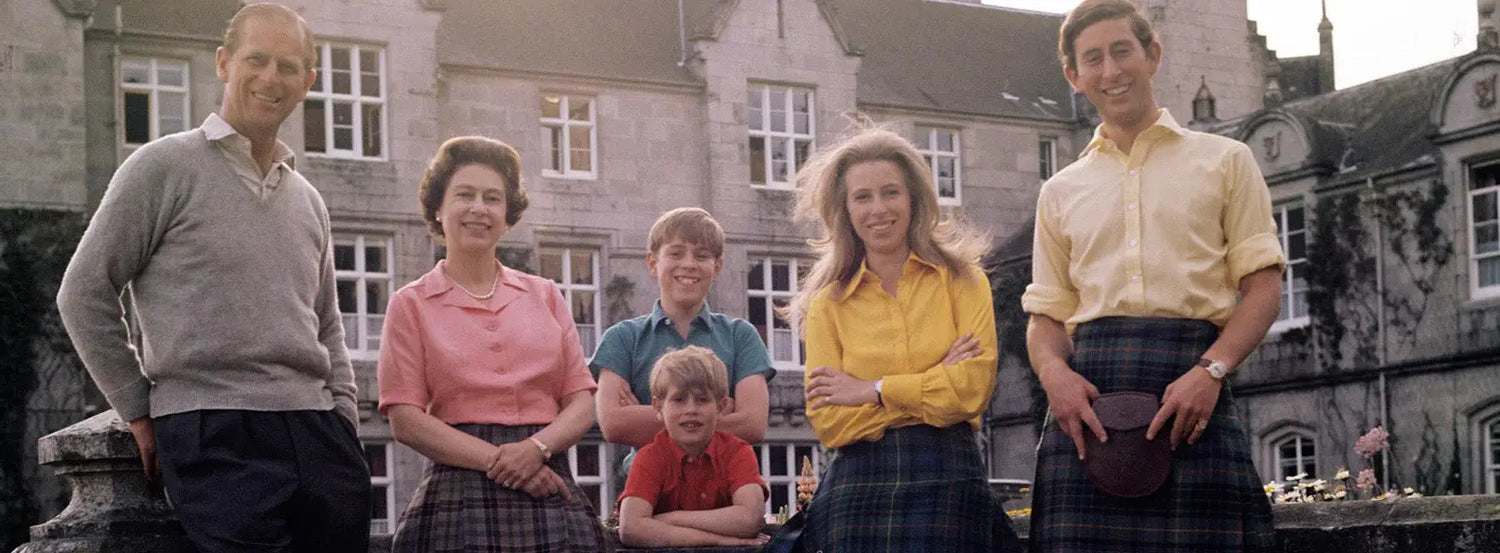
(81, 9)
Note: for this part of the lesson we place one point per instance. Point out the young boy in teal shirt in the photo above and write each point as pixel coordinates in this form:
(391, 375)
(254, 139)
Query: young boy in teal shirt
(686, 255)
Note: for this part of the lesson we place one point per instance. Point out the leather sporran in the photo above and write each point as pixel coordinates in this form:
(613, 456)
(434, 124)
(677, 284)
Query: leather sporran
(1128, 465)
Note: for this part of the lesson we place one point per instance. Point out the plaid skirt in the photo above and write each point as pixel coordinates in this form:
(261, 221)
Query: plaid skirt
(456, 509)
(919, 488)
(1213, 500)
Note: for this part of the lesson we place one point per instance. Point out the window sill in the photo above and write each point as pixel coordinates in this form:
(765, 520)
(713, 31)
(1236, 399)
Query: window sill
(1290, 324)
(775, 187)
(343, 157)
(1482, 300)
(550, 174)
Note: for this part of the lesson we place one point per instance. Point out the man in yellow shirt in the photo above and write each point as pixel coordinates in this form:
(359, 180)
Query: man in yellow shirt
(1156, 268)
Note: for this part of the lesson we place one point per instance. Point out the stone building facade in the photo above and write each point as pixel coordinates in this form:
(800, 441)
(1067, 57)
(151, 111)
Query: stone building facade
(622, 110)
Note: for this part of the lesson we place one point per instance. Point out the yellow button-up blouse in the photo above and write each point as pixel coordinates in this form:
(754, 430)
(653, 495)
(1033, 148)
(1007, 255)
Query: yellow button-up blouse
(871, 335)
(1166, 231)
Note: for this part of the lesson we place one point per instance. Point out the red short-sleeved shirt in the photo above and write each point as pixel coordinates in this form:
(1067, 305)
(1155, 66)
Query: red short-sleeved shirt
(670, 480)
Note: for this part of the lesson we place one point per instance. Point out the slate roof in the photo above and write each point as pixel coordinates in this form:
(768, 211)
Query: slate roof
(1370, 128)
(1301, 77)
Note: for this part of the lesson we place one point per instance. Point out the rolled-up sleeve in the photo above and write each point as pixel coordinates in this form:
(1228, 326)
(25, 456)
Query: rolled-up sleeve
(1249, 224)
(1051, 292)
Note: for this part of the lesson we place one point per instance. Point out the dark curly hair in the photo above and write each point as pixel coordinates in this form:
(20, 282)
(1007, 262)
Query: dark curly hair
(465, 150)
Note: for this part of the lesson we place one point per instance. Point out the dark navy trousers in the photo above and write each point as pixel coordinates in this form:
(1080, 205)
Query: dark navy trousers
(266, 481)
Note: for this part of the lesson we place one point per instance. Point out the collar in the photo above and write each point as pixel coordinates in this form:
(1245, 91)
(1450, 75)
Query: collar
(865, 272)
(437, 283)
(216, 129)
(658, 315)
(1165, 123)
(665, 441)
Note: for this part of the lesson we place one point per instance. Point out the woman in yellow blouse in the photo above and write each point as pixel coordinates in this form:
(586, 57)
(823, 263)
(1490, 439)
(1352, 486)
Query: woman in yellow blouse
(900, 333)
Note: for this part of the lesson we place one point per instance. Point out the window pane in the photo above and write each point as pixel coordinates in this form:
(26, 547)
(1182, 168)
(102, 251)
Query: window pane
(757, 276)
(778, 460)
(379, 509)
(778, 109)
(578, 149)
(1487, 238)
(135, 72)
(339, 59)
(1485, 177)
(343, 126)
(758, 159)
(370, 121)
(137, 118)
(376, 295)
(583, 307)
(375, 456)
(552, 265)
(924, 138)
(1294, 220)
(779, 322)
(169, 75)
(779, 497)
(758, 315)
(801, 112)
(1484, 207)
(171, 106)
(375, 259)
(1296, 246)
(588, 460)
(804, 149)
(781, 276)
(779, 168)
(315, 137)
(551, 107)
(554, 138)
(945, 141)
(347, 299)
(1489, 271)
(343, 257)
(578, 108)
(369, 73)
(583, 267)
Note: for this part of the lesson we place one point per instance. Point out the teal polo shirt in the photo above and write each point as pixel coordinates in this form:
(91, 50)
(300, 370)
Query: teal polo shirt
(630, 348)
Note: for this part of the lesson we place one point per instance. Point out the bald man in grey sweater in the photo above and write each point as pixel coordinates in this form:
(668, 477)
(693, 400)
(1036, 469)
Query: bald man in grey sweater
(241, 397)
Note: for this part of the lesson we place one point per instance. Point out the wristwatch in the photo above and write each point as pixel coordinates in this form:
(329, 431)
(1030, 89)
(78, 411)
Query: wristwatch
(1215, 369)
(879, 399)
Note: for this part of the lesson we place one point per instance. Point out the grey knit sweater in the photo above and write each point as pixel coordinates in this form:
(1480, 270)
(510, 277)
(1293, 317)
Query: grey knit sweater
(235, 295)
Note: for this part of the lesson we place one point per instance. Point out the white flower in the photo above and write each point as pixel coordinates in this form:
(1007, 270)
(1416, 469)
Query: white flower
(1340, 494)
(1343, 474)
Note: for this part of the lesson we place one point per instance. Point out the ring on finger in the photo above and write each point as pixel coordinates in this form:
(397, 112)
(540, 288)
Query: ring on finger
(1203, 425)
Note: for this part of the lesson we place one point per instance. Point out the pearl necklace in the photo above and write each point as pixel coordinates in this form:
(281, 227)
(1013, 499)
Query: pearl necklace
(483, 296)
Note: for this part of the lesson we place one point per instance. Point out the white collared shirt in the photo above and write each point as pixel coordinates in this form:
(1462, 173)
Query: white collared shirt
(236, 149)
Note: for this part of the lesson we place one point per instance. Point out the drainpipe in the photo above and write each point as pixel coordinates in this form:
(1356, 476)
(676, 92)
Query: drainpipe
(681, 37)
(114, 60)
(1380, 352)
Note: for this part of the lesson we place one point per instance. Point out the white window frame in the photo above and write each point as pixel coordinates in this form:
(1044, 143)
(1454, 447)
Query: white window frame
(605, 479)
(931, 153)
(787, 481)
(570, 126)
(153, 91)
(367, 336)
(767, 265)
(759, 127)
(1305, 462)
(568, 287)
(1046, 156)
(323, 91)
(387, 525)
(1476, 290)
(1294, 267)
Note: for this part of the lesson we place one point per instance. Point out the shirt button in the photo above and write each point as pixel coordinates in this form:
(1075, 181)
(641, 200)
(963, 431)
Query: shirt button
(493, 326)
(1134, 171)
(1135, 277)
(497, 347)
(1132, 243)
(1130, 207)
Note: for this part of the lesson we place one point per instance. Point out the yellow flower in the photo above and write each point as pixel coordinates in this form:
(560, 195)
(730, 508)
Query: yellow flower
(1271, 487)
(1019, 512)
(1408, 491)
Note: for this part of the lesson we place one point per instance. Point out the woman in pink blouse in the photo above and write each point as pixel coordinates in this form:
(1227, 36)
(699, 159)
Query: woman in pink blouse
(482, 372)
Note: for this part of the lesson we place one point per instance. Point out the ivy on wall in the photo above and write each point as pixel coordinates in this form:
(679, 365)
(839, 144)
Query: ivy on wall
(35, 247)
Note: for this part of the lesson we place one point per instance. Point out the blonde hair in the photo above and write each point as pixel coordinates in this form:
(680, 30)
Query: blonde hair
(692, 369)
(271, 10)
(689, 224)
(822, 197)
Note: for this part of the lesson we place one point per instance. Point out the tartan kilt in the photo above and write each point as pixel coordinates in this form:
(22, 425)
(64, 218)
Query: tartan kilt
(919, 488)
(456, 509)
(1213, 500)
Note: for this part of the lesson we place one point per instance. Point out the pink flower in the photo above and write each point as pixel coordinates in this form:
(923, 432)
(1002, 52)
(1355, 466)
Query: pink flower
(1374, 441)
(1366, 480)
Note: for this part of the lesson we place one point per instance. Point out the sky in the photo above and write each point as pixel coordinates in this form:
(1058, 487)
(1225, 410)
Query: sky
(1371, 38)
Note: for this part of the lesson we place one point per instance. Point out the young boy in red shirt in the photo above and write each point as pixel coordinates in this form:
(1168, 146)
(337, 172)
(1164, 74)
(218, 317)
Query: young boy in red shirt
(692, 485)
